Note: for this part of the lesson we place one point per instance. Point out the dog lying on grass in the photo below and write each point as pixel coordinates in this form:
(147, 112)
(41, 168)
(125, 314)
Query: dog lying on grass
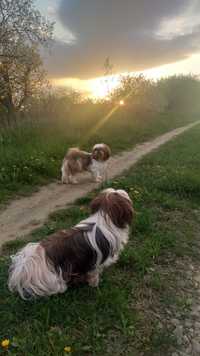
(80, 254)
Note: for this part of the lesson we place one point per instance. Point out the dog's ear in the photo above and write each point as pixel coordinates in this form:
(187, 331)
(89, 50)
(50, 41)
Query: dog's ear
(107, 152)
(118, 208)
(97, 203)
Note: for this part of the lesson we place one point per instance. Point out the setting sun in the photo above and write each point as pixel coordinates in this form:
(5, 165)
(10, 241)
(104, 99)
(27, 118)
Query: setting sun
(101, 87)
(97, 88)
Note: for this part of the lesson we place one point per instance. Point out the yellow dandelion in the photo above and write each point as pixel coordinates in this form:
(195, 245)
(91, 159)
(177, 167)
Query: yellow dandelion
(5, 343)
(67, 349)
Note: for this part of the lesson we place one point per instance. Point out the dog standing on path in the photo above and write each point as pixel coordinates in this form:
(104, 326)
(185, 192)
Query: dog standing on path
(77, 161)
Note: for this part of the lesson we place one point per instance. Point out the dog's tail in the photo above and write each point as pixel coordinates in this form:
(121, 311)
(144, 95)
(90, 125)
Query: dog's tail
(30, 275)
(75, 153)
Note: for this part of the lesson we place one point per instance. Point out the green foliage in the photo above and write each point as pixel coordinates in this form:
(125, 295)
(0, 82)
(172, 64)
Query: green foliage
(181, 93)
(106, 321)
(23, 30)
(31, 153)
(173, 94)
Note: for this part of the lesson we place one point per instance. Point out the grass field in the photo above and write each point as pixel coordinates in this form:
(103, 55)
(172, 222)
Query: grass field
(112, 319)
(31, 154)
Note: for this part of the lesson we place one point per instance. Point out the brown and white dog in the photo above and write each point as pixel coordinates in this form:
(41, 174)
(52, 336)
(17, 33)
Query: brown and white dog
(77, 255)
(77, 161)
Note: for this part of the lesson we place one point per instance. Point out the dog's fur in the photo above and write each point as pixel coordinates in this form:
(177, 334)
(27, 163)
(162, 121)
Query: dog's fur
(76, 255)
(77, 161)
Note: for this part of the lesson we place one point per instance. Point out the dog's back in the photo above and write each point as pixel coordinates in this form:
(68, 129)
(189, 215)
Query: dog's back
(74, 162)
(78, 160)
(75, 153)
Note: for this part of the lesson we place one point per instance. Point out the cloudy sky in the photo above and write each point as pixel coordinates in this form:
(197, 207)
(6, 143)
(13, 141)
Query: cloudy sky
(136, 35)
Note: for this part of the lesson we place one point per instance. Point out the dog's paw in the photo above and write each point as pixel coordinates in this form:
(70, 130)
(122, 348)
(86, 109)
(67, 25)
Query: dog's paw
(63, 182)
(93, 284)
(93, 280)
(73, 181)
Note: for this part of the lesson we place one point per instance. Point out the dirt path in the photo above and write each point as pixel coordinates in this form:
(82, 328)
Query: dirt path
(25, 214)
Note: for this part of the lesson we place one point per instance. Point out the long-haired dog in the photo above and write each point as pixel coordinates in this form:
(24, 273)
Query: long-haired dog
(77, 161)
(78, 254)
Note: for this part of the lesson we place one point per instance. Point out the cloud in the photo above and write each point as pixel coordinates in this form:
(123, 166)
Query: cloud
(134, 34)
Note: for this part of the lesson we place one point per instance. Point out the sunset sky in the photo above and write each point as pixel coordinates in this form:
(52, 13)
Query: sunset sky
(156, 37)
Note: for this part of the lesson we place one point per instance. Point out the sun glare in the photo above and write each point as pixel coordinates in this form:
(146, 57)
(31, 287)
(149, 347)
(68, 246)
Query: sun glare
(101, 87)
(97, 88)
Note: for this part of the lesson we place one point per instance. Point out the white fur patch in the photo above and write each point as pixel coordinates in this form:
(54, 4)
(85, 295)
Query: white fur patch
(116, 237)
(98, 169)
(122, 192)
(30, 275)
(98, 146)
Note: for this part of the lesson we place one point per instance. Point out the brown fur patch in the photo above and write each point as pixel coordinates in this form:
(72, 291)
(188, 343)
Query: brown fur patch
(70, 251)
(76, 153)
(77, 160)
(118, 208)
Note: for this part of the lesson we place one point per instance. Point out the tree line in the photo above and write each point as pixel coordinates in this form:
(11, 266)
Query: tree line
(24, 89)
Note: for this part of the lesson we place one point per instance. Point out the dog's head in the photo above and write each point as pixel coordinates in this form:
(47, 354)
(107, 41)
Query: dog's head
(115, 204)
(101, 152)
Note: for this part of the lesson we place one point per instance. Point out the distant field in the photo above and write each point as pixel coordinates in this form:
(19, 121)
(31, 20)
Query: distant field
(31, 154)
(115, 319)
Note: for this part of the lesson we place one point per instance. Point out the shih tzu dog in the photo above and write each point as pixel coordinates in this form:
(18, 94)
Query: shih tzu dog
(77, 161)
(79, 254)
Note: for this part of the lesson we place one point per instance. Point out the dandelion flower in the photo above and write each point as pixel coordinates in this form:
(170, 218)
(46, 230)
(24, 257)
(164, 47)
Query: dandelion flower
(5, 343)
(67, 349)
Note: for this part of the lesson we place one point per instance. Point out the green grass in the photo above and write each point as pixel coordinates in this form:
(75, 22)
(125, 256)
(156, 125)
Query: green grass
(31, 154)
(110, 320)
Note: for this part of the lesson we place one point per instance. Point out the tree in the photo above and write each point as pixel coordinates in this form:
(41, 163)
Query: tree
(21, 23)
(20, 79)
(137, 91)
(181, 93)
(22, 31)
(140, 93)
